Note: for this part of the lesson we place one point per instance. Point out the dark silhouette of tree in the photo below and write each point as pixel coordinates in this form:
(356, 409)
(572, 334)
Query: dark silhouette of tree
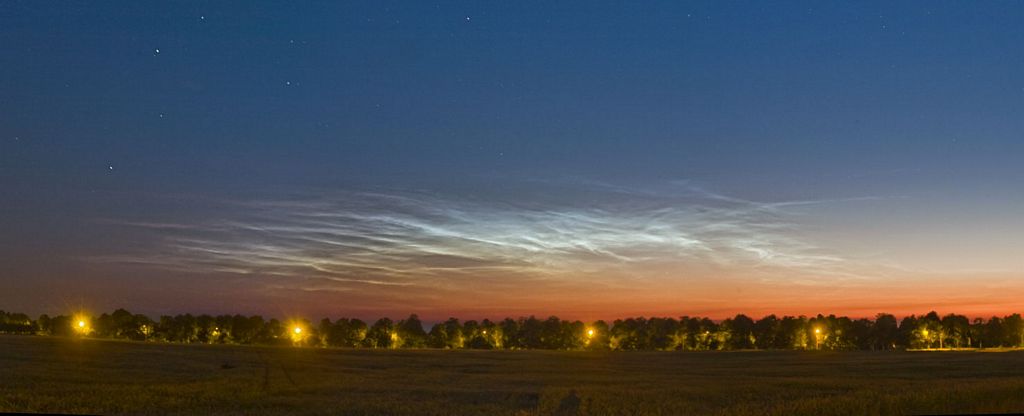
(16, 323)
(884, 333)
(553, 334)
(246, 330)
(662, 334)
(908, 330)
(859, 336)
(511, 337)
(44, 325)
(447, 335)
(530, 333)
(956, 329)
(626, 334)
(61, 325)
(348, 333)
(1013, 331)
(381, 335)
(739, 332)
(656, 333)
(993, 333)
(767, 333)
(273, 332)
(793, 333)
(410, 333)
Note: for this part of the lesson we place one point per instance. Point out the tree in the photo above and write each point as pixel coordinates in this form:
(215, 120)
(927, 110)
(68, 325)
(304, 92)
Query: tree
(530, 333)
(662, 334)
(884, 333)
(410, 332)
(766, 333)
(626, 334)
(381, 335)
(346, 333)
(907, 332)
(956, 330)
(1013, 330)
(794, 333)
(739, 330)
(638, 333)
(447, 334)
(511, 337)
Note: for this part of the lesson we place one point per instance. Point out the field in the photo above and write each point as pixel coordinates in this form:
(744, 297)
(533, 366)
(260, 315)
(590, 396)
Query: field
(46, 374)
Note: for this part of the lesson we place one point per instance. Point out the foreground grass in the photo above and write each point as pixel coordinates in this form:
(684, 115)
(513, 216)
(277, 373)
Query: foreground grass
(44, 374)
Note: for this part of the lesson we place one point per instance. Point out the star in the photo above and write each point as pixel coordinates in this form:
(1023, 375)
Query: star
(467, 18)
(110, 167)
(202, 17)
(156, 51)
(287, 83)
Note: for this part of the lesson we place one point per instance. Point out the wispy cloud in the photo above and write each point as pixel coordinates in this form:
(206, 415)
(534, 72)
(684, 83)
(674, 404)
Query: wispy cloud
(353, 240)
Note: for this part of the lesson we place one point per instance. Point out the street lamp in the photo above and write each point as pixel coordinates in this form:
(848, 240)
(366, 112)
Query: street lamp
(80, 325)
(297, 333)
(817, 338)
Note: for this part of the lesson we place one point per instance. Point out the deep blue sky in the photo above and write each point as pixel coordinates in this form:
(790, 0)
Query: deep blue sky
(564, 148)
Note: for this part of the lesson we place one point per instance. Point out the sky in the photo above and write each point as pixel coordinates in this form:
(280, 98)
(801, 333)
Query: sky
(591, 160)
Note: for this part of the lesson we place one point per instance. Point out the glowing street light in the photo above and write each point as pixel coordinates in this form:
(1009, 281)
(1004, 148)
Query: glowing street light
(80, 325)
(817, 338)
(297, 333)
(590, 333)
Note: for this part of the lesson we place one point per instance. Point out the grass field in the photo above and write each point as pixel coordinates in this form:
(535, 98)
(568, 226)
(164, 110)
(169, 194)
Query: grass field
(45, 374)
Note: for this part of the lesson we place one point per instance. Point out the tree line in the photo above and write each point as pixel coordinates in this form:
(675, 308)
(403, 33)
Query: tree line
(740, 332)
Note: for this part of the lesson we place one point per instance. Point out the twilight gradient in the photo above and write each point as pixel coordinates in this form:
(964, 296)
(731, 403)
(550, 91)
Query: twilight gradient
(485, 159)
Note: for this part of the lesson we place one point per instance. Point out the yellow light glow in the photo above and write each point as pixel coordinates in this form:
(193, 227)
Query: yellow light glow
(297, 333)
(590, 333)
(485, 332)
(817, 330)
(80, 325)
(925, 332)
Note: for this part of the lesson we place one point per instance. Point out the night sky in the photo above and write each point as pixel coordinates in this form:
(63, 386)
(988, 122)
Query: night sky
(492, 159)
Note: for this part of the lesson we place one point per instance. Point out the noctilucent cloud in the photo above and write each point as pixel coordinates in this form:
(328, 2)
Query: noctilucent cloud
(492, 159)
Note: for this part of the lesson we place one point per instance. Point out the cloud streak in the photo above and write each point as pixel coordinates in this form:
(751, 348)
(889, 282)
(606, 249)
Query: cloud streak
(354, 241)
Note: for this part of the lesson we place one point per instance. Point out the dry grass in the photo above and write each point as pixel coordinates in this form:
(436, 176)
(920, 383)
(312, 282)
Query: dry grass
(43, 374)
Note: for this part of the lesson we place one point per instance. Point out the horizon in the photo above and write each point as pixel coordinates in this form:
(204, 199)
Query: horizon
(89, 314)
(506, 160)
